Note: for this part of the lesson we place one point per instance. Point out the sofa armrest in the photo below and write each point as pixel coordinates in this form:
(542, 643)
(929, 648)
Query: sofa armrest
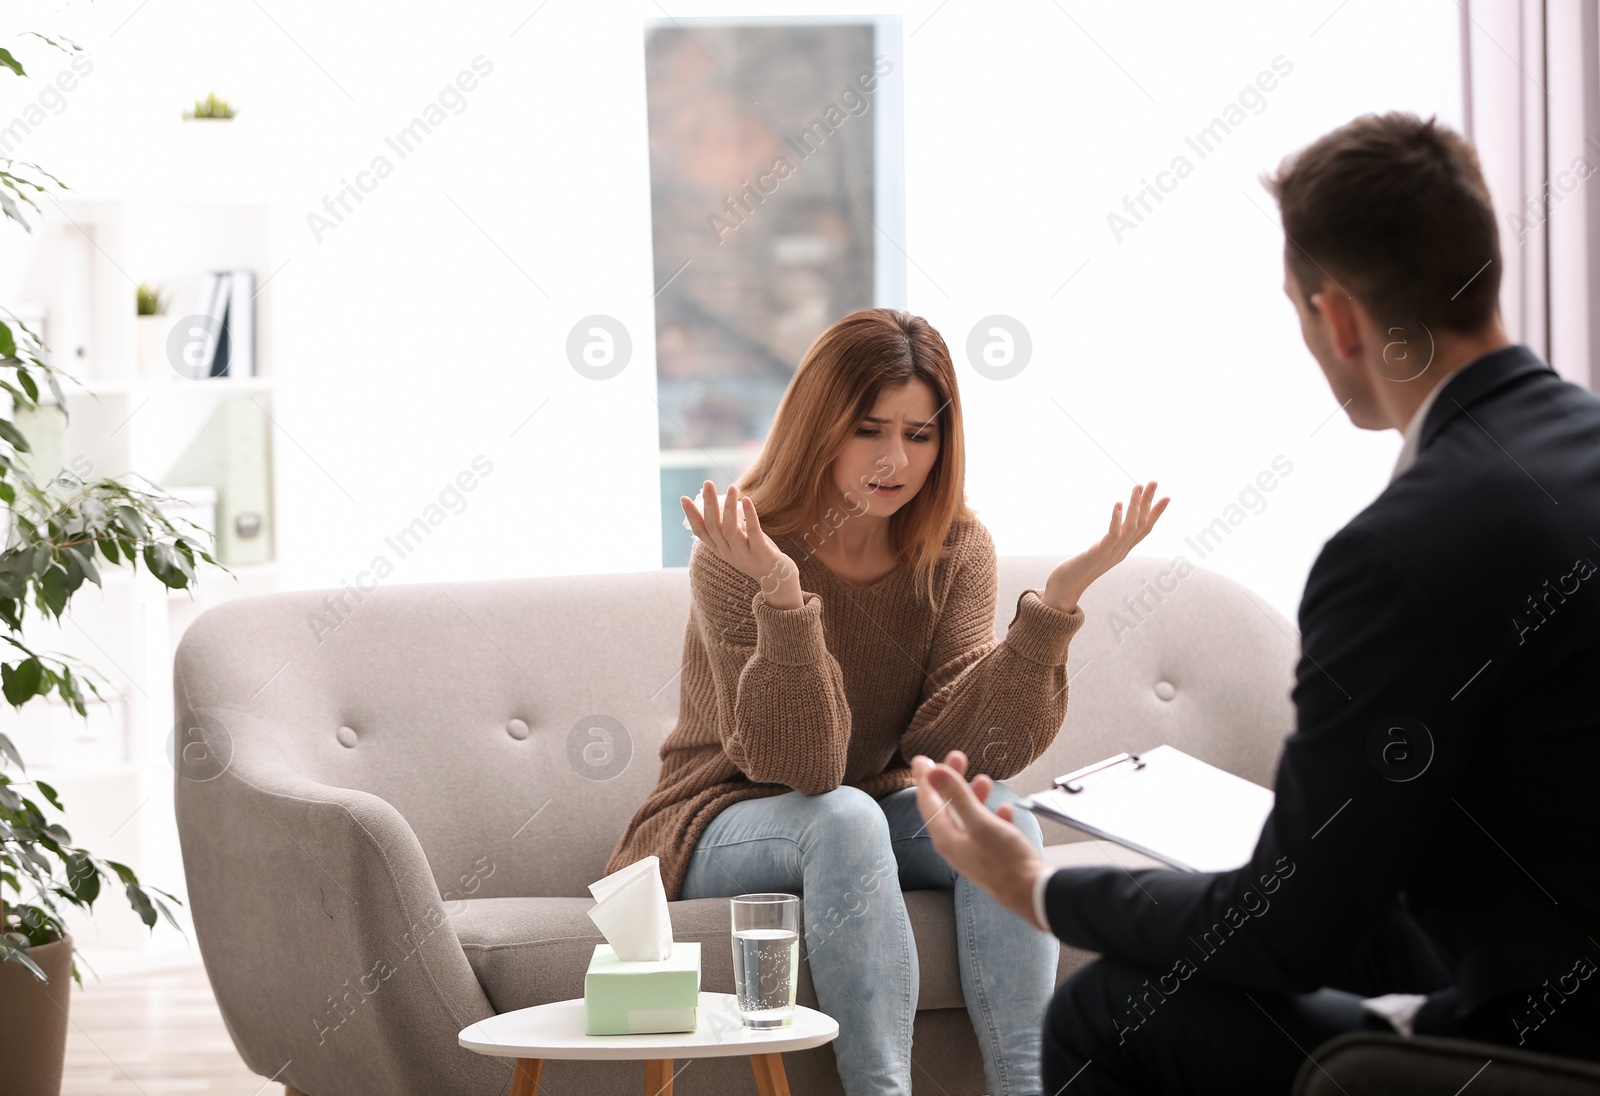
(322, 929)
(1368, 1062)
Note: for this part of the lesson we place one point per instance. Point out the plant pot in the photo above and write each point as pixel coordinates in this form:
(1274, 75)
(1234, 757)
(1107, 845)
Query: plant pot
(150, 352)
(210, 139)
(33, 1020)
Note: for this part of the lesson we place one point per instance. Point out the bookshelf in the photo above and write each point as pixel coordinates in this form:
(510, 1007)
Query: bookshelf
(131, 416)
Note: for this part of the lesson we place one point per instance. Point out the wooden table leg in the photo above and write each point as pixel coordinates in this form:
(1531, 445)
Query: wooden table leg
(658, 1077)
(525, 1081)
(770, 1078)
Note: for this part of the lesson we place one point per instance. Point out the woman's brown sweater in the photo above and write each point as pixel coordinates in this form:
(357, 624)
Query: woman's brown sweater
(847, 688)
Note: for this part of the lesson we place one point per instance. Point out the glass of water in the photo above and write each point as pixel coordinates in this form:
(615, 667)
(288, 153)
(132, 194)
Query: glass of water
(766, 958)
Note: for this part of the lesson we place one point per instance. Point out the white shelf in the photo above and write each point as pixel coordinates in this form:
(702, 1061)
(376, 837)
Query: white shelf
(55, 774)
(215, 386)
(81, 268)
(113, 576)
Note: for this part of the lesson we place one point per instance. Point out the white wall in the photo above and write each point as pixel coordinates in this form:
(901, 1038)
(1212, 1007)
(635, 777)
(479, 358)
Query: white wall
(407, 342)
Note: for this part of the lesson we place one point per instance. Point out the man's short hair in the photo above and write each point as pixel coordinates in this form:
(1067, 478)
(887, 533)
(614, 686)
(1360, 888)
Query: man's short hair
(1394, 210)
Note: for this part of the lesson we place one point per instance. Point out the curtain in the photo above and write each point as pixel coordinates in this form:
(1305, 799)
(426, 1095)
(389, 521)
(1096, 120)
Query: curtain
(1531, 75)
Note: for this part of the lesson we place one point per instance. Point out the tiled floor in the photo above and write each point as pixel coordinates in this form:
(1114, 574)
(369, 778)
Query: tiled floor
(153, 1034)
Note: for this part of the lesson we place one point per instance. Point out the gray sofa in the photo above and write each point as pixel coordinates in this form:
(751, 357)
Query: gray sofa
(390, 809)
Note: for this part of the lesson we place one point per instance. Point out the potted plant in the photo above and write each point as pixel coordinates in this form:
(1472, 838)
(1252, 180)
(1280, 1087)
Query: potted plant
(209, 108)
(150, 349)
(209, 125)
(53, 533)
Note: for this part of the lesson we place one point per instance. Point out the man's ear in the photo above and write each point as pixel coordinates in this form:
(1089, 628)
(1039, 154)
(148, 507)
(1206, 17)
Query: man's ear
(1340, 312)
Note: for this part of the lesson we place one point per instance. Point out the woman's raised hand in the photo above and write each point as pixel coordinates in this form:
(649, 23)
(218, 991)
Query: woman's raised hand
(733, 531)
(1073, 576)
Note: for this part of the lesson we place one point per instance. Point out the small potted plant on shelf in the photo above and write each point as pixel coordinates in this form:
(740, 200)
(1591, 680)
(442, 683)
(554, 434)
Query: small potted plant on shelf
(209, 109)
(210, 126)
(150, 350)
(53, 533)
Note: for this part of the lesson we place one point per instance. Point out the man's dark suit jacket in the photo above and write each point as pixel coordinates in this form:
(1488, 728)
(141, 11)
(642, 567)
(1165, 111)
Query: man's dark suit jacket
(1446, 754)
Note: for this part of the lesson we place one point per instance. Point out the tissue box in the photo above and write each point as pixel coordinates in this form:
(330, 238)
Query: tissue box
(631, 998)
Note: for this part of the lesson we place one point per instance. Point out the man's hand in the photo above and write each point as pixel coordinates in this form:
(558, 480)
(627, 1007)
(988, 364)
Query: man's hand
(983, 845)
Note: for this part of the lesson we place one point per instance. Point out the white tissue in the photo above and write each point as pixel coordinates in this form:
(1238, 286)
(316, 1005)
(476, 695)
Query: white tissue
(631, 911)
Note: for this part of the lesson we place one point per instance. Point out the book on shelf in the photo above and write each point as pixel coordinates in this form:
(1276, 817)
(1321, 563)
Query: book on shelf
(242, 324)
(227, 301)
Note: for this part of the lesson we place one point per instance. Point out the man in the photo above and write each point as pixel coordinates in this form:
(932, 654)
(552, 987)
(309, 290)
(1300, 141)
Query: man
(1432, 863)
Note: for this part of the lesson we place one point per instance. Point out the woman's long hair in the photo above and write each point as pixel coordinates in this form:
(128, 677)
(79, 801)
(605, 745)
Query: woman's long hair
(834, 389)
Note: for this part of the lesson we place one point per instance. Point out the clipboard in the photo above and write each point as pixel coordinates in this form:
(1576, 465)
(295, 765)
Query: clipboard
(1165, 804)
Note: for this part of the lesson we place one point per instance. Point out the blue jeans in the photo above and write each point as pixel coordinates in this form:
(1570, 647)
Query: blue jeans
(849, 857)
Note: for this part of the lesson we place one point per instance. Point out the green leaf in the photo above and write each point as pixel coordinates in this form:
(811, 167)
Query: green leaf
(28, 384)
(70, 44)
(72, 694)
(183, 559)
(41, 171)
(8, 343)
(141, 905)
(85, 562)
(12, 954)
(164, 564)
(14, 572)
(55, 588)
(36, 820)
(69, 563)
(10, 62)
(36, 860)
(14, 436)
(83, 877)
(10, 750)
(9, 208)
(167, 913)
(49, 793)
(130, 521)
(21, 681)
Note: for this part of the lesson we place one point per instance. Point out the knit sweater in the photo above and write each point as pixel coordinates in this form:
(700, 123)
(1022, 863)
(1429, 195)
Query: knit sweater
(847, 688)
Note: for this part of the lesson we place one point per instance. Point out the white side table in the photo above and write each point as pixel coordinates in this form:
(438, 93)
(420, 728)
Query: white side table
(531, 1035)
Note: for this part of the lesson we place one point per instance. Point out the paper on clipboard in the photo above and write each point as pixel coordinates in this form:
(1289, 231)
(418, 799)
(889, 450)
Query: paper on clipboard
(1165, 804)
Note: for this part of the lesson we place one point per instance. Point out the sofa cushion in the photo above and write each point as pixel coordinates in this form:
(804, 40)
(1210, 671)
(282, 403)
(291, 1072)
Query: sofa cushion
(1090, 853)
(527, 951)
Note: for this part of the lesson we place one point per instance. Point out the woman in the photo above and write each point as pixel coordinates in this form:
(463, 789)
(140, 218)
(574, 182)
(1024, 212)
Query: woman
(848, 630)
